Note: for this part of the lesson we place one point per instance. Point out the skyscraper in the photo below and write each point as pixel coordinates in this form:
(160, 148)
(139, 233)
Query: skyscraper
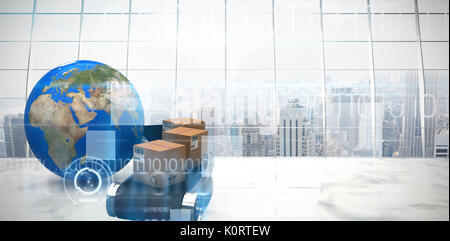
(343, 117)
(236, 140)
(436, 110)
(295, 135)
(277, 143)
(252, 140)
(410, 143)
(15, 140)
(207, 114)
(268, 142)
(392, 121)
(441, 143)
(370, 141)
(2, 148)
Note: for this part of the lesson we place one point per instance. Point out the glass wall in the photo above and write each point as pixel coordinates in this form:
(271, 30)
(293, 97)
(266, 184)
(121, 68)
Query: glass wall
(270, 77)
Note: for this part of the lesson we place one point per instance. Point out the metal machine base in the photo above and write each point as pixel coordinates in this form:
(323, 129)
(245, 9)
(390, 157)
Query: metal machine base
(183, 201)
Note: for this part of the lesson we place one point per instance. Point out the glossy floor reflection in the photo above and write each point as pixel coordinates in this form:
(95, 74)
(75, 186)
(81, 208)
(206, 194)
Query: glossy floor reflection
(263, 189)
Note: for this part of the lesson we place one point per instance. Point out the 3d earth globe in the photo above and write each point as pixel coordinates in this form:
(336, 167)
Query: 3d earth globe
(82, 109)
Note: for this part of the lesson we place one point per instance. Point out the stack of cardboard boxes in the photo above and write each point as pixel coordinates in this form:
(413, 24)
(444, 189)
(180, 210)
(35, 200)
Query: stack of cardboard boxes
(164, 162)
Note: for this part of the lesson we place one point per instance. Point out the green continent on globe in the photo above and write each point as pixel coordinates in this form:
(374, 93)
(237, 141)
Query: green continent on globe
(108, 90)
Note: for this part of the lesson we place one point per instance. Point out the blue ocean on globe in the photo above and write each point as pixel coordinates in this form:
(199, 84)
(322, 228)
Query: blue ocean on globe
(83, 109)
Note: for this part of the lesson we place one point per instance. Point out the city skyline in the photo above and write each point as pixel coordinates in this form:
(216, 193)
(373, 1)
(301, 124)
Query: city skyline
(394, 135)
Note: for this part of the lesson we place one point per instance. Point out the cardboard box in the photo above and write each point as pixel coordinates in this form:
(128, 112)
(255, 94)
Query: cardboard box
(183, 122)
(159, 163)
(194, 140)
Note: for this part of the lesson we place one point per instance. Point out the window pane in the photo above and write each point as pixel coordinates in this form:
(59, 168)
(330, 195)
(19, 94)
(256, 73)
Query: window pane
(306, 86)
(297, 6)
(347, 56)
(346, 27)
(435, 55)
(105, 27)
(47, 55)
(56, 27)
(201, 41)
(433, 6)
(396, 55)
(19, 6)
(249, 6)
(199, 90)
(154, 6)
(12, 83)
(398, 93)
(201, 55)
(153, 27)
(158, 103)
(201, 95)
(299, 96)
(202, 27)
(250, 55)
(56, 6)
(15, 27)
(394, 27)
(106, 6)
(436, 110)
(298, 55)
(249, 27)
(389, 6)
(13, 55)
(348, 114)
(250, 97)
(202, 6)
(434, 27)
(344, 6)
(294, 27)
(152, 55)
(112, 54)
(249, 41)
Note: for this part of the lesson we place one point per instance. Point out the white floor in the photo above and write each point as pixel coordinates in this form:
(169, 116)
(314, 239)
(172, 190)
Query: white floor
(263, 189)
